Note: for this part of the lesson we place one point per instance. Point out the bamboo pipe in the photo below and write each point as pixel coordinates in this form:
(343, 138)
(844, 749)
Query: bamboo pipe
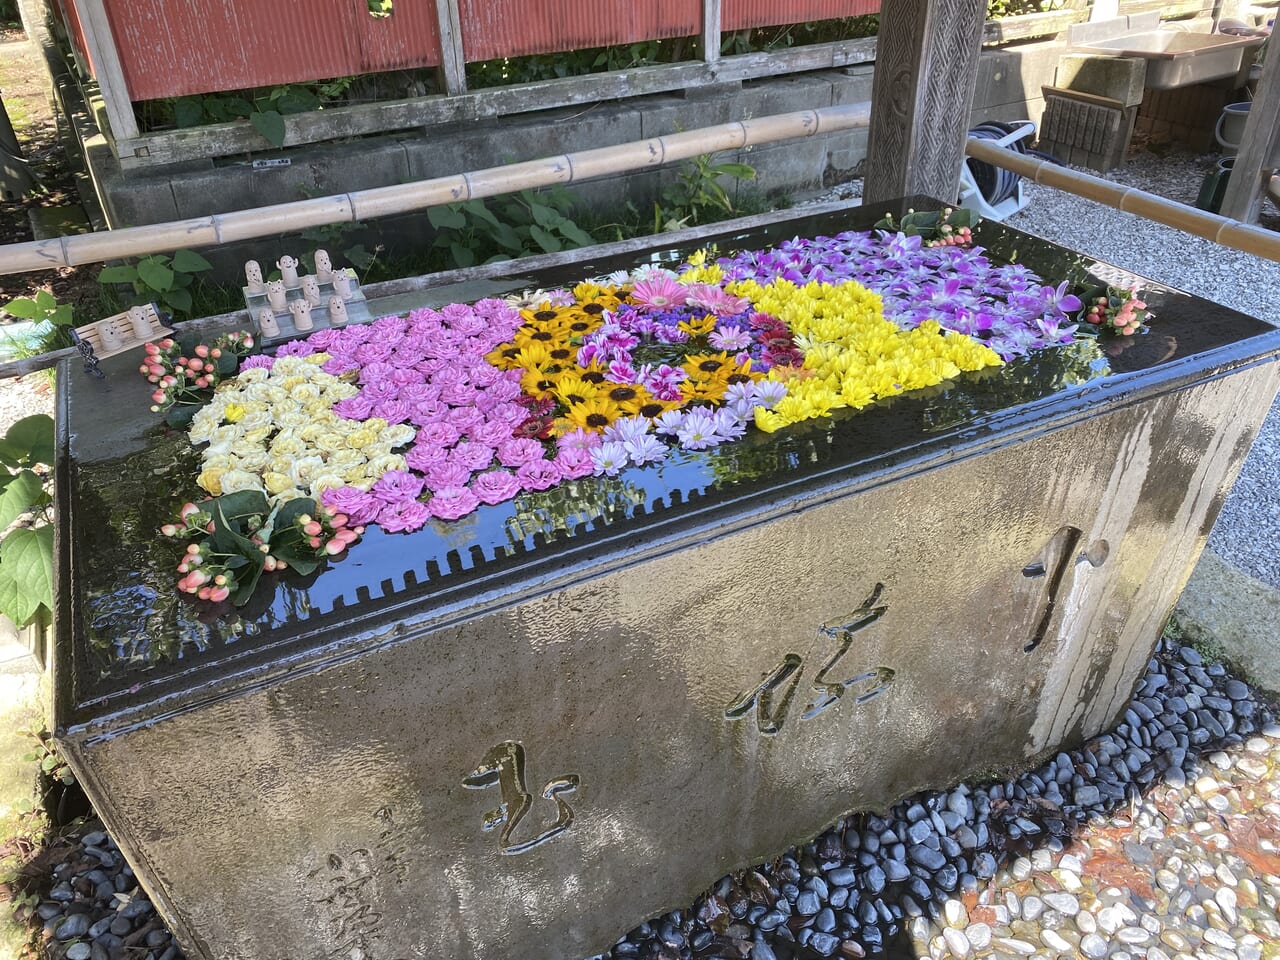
(401, 198)
(1198, 223)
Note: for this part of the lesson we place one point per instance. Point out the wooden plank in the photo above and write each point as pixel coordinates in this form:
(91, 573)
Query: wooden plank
(1259, 151)
(453, 62)
(225, 139)
(107, 68)
(922, 97)
(710, 31)
(1167, 10)
(1031, 25)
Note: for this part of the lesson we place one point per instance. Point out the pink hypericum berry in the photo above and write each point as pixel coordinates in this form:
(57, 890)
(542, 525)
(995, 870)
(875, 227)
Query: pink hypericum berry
(220, 580)
(202, 350)
(314, 541)
(334, 547)
(312, 529)
(188, 509)
(215, 353)
(218, 594)
(183, 568)
(204, 593)
(338, 520)
(158, 396)
(151, 349)
(196, 364)
(169, 530)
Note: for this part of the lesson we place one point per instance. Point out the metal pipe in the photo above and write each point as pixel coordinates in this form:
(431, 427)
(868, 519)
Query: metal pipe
(1198, 223)
(401, 198)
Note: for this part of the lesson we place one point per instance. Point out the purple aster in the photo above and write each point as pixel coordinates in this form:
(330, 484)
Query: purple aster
(699, 430)
(645, 448)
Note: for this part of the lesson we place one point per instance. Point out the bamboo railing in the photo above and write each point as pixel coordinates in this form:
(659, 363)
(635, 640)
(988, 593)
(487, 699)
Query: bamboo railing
(402, 198)
(1198, 223)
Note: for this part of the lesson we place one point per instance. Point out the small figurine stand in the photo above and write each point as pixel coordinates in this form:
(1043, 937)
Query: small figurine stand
(315, 292)
(123, 331)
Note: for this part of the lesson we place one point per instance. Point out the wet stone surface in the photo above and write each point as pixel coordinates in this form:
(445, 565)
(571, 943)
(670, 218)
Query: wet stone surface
(1160, 839)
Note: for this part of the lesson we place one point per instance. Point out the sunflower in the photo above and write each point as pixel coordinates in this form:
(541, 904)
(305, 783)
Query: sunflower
(711, 390)
(505, 356)
(537, 384)
(630, 397)
(699, 326)
(571, 389)
(653, 408)
(532, 356)
(543, 334)
(708, 366)
(594, 414)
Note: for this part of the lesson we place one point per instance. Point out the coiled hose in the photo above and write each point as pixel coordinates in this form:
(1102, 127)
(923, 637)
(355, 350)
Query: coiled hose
(995, 183)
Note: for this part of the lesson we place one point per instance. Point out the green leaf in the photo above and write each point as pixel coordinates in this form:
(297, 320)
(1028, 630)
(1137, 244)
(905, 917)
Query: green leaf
(155, 274)
(246, 583)
(188, 261)
(26, 573)
(574, 233)
(125, 274)
(180, 414)
(477, 209)
(358, 256)
(18, 496)
(23, 307)
(188, 111)
(545, 216)
(30, 439)
(270, 124)
(296, 100)
(505, 235)
(462, 256)
(63, 316)
(547, 241)
(228, 363)
(178, 301)
(446, 218)
(739, 171)
(45, 301)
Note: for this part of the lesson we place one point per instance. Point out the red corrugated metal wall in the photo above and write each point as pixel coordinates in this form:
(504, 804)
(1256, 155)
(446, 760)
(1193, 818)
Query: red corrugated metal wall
(170, 48)
(514, 28)
(173, 48)
(741, 14)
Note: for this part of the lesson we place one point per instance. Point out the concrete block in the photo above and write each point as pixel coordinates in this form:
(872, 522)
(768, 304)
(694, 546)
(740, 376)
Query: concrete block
(760, 98)
(665, 114)
(1120, 78)
(1014, 76)
(796, 165)
(851, 85)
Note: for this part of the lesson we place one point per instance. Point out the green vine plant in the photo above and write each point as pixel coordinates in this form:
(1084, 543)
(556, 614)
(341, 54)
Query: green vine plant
(522, 223)
(26, 534)
(160, 279)
(698, 195)
(51, 324)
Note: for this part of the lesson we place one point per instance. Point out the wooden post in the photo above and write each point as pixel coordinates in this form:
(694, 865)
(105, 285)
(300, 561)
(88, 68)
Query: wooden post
(710, 30)
(922, 96)
(1259, 153)
(106, 68)
(453, 60)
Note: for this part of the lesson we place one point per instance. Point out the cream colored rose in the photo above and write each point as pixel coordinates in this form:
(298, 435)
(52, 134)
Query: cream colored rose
(211, 479)
(233, 481)
(380, 465)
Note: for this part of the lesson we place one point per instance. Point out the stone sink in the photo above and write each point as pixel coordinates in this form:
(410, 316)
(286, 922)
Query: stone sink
(1176, 58)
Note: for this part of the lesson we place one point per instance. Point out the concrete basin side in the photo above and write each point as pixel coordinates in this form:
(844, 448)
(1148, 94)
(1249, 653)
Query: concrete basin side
(1177, 58)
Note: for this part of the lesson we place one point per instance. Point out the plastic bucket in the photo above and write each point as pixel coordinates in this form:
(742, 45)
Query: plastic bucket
(1214, 186)
(1230, 129)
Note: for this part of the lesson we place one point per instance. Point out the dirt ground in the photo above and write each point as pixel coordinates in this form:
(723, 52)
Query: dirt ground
(29, 105)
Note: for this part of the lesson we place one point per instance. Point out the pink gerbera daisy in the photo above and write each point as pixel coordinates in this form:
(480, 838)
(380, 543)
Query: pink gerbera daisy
(658, 293)
(714, 299)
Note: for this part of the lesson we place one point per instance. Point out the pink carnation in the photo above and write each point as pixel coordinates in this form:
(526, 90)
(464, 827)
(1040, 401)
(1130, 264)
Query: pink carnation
(393, 411)
(354, 408)
(491, 432)
(397, 485)
(519, 451)
(574, 464)
(538, 475)
(495, 486)
(474, 456)
(403, 516)
(441, 476)
(450, 503)
(359, 506)
(424, 456)
(440, 433)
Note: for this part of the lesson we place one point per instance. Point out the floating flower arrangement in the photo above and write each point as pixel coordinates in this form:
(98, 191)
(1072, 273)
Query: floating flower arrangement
(429, 416)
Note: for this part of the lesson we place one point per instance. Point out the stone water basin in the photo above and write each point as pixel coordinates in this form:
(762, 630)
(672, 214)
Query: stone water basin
(1176, 58)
